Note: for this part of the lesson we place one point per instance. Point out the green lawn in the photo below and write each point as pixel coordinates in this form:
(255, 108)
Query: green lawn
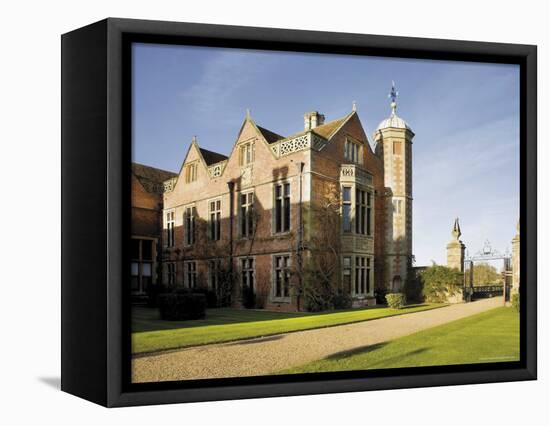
(491, 336)
(150, 334)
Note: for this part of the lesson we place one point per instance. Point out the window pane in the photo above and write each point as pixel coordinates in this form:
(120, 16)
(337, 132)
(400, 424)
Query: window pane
(146, 269)
(278, 215)
(347, 193)
(287, 189)
(346, 211)
(134, 269)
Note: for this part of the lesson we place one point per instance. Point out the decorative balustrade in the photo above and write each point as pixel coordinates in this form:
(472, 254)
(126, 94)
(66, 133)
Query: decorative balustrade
(299, 143)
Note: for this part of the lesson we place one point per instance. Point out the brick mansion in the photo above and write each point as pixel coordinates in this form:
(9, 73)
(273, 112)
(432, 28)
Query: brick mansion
(279, 212)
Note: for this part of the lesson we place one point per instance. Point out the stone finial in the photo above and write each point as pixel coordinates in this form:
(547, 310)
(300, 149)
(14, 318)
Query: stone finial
(354, 106)
(456, 233)
(248, 113)
(194, 139)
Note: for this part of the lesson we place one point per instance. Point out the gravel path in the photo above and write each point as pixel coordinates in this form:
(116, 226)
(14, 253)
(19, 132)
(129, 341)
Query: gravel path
(260, 356)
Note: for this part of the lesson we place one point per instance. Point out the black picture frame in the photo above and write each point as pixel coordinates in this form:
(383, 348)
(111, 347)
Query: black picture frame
(96, 126)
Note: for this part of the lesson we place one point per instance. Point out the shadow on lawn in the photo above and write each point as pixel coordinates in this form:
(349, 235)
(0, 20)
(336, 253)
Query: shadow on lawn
(363, 350)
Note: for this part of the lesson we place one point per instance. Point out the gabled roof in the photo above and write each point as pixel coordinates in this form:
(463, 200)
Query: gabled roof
(151, 178)
(326, 130)
(211, 157)
(268, 135)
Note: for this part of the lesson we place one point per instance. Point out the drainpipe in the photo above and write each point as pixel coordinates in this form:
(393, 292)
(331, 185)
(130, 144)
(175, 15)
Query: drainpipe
(231, 186)
(300, 234)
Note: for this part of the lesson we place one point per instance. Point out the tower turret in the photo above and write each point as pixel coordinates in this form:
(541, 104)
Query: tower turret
(394, 146)
(455, 249)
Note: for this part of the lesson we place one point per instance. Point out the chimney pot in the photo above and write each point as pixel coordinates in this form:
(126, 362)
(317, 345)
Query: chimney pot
(313, 119)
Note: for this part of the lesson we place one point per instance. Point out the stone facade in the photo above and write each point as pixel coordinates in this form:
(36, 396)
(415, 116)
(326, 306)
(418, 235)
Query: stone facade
(261, 214)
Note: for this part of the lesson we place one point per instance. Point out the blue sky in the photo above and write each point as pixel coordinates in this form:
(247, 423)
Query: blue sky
(465, 117)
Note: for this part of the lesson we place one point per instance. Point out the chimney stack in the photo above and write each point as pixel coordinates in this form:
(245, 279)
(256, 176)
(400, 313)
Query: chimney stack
(313, 119)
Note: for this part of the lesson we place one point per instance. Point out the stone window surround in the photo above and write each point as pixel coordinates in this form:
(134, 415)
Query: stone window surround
(215, 211)
(240, 268)
(354, 187)
(353, 256)
(171, 272)
(214, 266)
(358, 155)
(191, 170)
(272, 297)
(186, 241)
(239, 211)
(140, 261)
(169, 227)
(276, 183)
(187, 272)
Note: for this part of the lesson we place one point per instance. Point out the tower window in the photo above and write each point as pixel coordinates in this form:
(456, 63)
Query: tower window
(397, 148)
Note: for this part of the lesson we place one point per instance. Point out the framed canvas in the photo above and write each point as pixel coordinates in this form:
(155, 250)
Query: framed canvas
(238, 215)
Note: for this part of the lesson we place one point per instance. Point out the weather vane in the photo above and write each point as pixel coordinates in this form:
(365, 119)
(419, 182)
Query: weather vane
(394, 93)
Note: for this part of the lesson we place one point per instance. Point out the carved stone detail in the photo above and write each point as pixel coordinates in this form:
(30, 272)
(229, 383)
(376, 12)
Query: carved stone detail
(216, 170)
(170, 184)
(355, 174)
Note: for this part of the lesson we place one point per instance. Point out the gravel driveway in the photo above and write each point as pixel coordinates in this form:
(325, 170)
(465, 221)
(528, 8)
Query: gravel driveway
(260, 356)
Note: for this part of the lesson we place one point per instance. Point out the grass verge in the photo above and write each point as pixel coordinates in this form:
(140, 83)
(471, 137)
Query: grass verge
(491, 336)
(242, 324)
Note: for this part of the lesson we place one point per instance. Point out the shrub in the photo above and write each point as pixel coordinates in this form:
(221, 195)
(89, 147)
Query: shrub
(312, 304)
(395, 300)
(153, 291)
(248, 297)
(380, 295)
(440, 282)
(211, 296)
(341, 300)
(413, 288)
(515, 301)
(179, 306)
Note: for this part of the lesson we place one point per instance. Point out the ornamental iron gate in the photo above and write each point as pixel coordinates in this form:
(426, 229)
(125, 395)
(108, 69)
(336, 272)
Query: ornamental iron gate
(487, 253)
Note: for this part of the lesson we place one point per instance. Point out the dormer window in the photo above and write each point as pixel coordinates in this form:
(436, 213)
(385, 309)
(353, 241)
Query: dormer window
(353, 151)
(246, 153)
(191, 173)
